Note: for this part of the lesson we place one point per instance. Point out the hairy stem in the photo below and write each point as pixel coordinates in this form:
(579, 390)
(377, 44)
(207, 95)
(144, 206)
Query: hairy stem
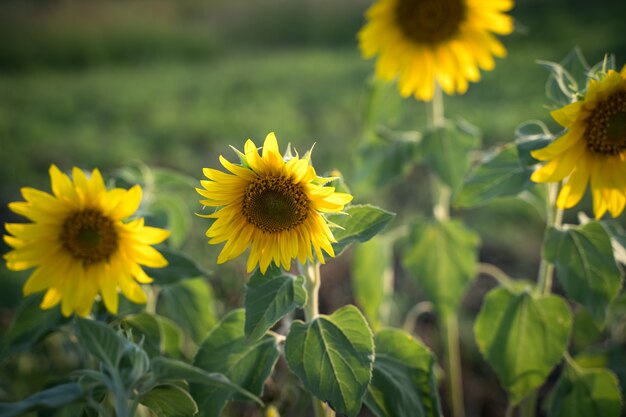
(311, 311)
(453, 365)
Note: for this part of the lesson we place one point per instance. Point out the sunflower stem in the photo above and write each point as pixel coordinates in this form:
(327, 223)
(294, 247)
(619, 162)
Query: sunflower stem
(311, 308)
(453, 363)
(436, 108)
(311, 312)
(441, 194)
(554, 218)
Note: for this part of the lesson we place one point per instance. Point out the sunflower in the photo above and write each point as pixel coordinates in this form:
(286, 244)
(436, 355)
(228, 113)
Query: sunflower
(272, 205)
(593, 149)
(423, 42)
(80, 245)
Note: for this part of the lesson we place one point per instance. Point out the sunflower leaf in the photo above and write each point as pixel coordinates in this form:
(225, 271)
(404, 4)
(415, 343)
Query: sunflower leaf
(50, 398)
(246, 363)
(522, 335)
(499, 175)
(179, 267)
(170, 401)
(585, 266)
(442, 261)
(404, 382)
(372, 271)
(445, 150)
(332, 356)
(270, 298)
(101, 341)
(359, 224)
(191, 304)
(30, 323)
(585, 392)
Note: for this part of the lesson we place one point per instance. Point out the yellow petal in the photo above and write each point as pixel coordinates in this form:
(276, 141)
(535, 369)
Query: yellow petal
(128, 204)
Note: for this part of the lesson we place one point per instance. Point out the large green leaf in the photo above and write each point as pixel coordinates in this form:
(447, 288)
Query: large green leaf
(54, 397)
(359, 224)
(386, 160)
(269, 298)
(585, 392)
(30, 323)
(101, 341)
(332, 356)
(160, 334)
(191, 304)
(403, 382)
(442, 260)
(585, 265)
(446, 149)
(522, 335)
(169, 370)
(500, 174)
(170, 401)
(372, 271)
(180, 267)
(226, 350)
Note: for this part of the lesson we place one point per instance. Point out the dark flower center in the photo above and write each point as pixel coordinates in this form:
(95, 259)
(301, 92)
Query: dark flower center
(430, 21)
(89, 236)
(274, 204)
(605, 132)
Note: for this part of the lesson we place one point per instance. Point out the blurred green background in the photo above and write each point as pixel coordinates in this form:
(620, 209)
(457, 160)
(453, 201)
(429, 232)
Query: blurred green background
(106, 83)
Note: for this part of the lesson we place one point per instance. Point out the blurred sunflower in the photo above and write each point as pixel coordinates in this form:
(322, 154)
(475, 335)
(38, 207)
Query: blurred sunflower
(423, 42)
(79, 244)
(272, 205)
(593, 150)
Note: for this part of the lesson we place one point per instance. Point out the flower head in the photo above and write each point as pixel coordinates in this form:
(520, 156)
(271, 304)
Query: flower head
(271, 205)
(423, 42)
(80, 245)
(593, 149)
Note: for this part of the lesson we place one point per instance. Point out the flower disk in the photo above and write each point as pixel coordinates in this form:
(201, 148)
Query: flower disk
(593, 149)
(423, 42)
(270, 205)
(79, 244)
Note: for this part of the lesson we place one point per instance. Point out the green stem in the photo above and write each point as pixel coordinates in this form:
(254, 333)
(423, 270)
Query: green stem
(554, 218)
(441, 195)
(510, 408)
(311, 312)
(453, 362)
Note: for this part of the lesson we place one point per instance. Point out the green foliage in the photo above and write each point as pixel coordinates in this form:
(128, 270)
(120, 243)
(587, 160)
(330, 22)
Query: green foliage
(332, 355)
(372, 274)
(29, 325)
(441, 258)
(359, 224)
(170, 370)
(387, 158)
(500, 174)
(269, 298)
(54, 397)
(190, 303)
(245, 362)
(585, 392)
(522, 335)
(403, 382)
(568, 78)
(531, 135)
(445, 150)
(101, 341)
(585, 265)
(180, 267)
(161, 335)
(170, 401)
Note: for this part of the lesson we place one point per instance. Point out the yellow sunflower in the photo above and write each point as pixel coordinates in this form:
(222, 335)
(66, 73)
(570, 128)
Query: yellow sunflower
(593, 149)
(423, 42)
(80, 245)
(272, 206)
